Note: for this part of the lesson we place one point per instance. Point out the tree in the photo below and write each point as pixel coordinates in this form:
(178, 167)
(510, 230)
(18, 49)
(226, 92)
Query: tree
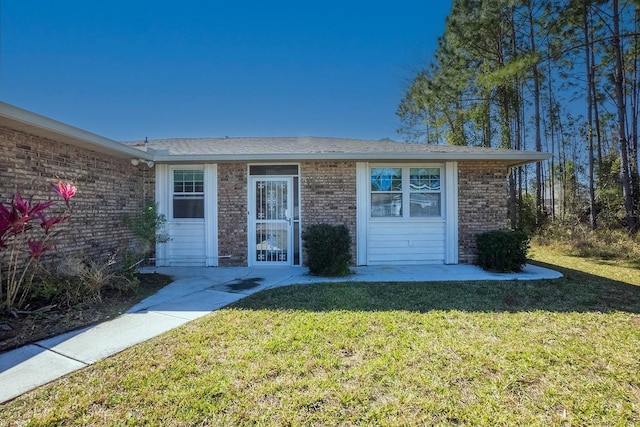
(485, 86)
(590, 103)
(620, 104)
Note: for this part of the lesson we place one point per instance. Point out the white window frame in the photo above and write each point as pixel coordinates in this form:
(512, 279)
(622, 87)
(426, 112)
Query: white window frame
(406, 192)
(172, 193)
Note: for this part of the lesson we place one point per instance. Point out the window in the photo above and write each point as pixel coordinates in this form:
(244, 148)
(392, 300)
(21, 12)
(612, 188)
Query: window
(395, 188)
(424, 191)
(188, 193)
(386, 192)
(273, 170)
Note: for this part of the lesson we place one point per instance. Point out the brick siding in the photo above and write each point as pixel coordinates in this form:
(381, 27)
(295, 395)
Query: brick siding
(108, 187)
(324, 187)
(482, 203)
(328, 191)
(232, 214)
(329, 196)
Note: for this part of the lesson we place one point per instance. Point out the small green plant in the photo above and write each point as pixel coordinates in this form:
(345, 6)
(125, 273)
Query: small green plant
(502, 251)
(128, 265)
(328, 249)
(148, 228)
(45, 289)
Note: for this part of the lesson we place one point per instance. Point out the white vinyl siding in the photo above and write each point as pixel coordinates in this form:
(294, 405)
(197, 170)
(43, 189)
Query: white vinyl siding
(187, 245)
(406, 242)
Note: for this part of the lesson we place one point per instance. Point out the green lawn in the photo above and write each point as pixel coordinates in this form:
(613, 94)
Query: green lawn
(562, 352)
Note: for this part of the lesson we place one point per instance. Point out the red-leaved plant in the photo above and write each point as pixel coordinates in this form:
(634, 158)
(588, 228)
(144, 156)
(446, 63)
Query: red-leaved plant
(26, 234)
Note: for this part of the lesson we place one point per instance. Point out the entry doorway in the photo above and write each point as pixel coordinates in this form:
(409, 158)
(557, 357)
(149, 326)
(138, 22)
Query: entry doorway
(274, 215)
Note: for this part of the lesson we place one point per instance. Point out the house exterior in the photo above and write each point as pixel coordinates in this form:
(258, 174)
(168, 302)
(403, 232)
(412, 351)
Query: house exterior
(36, 151)
(247, 201)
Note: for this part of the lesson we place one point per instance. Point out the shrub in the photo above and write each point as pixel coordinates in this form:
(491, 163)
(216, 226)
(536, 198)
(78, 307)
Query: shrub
(148, 228)
(128, 263)
(502, 251)
(328, 249)
(528, 219)
(78, 280)
(27, 232)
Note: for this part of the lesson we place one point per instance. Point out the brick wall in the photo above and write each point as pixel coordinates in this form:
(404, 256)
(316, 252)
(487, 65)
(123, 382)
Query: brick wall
(329, 195)
(325, 186)
(108, 188)
(232, 214)
(328, 192)
(482, 203)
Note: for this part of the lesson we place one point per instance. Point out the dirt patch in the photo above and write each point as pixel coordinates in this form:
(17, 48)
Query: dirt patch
(27, 328)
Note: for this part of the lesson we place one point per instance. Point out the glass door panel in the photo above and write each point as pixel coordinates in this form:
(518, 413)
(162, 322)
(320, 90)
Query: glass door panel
(272, 220)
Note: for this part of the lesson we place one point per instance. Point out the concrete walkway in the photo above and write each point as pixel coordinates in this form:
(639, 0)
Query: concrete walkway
(194, 293)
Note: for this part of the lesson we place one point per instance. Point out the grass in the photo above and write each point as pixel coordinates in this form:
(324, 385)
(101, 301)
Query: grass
(562, 352)
(614, 246)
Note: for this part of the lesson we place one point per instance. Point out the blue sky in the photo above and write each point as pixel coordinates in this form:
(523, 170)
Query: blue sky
(130, 69)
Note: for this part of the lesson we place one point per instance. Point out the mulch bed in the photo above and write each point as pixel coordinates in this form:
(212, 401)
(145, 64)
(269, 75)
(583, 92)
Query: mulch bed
(27, 327)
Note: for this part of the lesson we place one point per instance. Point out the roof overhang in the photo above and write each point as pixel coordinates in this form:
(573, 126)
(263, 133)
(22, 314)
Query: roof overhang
(511, 159)
(35, 124)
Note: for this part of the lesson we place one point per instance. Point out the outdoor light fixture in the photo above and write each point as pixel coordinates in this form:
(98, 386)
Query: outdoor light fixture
(136, 162)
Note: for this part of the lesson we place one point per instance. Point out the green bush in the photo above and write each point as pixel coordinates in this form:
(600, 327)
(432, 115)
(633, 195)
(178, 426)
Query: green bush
(148, 228)
(502, 251)
(328, 249)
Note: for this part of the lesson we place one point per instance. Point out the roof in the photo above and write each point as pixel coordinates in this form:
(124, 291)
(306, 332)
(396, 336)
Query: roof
(273, 149)
(35, 124)
(317, 148)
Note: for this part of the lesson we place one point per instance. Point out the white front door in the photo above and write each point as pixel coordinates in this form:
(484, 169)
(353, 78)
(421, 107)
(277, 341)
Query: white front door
(270, 221)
